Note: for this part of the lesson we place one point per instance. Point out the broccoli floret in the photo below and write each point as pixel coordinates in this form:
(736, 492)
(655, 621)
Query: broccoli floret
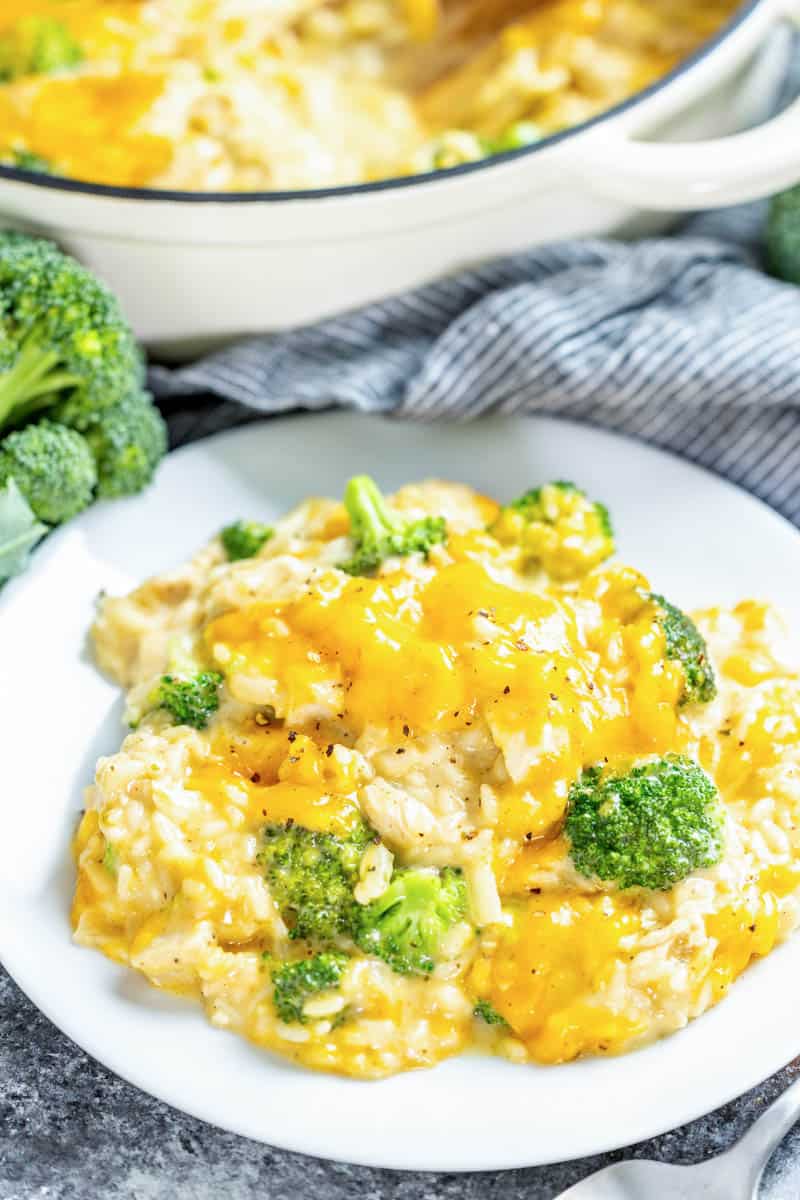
(405, 926)
(378, 534)
(53, 468)
(650, 826)
(37, 46)
(26, 160)
(190, 700)
(485, 1012)
(453, 148)
(111, 859)
(557, 528)
(63, 338)
(521, 133)
(783, 235)
(128, 442)
(685, 645)
(19, 531)
(296, 982)
(244, 539)
(312, 876)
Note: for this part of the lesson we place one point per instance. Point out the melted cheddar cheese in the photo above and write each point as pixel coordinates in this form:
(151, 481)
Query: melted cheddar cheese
(449, 703)
(190, 94)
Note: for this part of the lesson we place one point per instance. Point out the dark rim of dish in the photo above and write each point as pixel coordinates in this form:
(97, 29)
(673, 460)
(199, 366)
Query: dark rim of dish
(61, 183)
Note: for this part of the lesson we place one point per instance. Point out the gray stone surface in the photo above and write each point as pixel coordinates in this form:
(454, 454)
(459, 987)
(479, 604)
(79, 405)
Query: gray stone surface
(70, 1130)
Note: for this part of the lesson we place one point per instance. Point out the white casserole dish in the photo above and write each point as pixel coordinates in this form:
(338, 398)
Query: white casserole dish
(193, 268)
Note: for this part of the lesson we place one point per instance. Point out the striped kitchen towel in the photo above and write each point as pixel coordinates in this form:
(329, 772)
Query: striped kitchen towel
(682, 341)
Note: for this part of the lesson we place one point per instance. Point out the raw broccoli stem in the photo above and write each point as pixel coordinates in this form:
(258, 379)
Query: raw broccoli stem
(32, 383)
(363, 497)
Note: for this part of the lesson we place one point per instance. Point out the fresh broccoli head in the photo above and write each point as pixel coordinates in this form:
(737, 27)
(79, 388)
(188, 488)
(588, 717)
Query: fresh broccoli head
(686, 646)
(63, 338)
(650, 826)
(405, 926)
(53, 468)
(128, 442)
(244, 539)
(37, 46)
(295, 983)
(485, 1012)
(312, 876)
(189, 700)
(378, 534)
(783, 235)
(558, 528)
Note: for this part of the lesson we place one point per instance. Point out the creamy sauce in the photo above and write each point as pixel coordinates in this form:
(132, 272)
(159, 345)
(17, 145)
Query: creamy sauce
(478, 691)
(304, 93)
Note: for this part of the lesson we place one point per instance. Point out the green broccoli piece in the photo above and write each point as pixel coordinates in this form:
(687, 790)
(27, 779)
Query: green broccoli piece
(53, 468)
(37, 46)
(557, 528)
(244, 539)
(453, 148)
(26, 160)
(312, 876)
(378, 534)
(650, 826)
(405, 926)
(519, 134)
(782, 236)
(63, 338)
(128, 442)
(296, 982)
(19, 531)
(485, 1012)
(685, 645)
(111, 859)
(190, 700)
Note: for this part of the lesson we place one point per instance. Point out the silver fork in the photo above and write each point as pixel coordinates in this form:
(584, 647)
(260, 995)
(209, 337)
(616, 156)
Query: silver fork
(734, 1175)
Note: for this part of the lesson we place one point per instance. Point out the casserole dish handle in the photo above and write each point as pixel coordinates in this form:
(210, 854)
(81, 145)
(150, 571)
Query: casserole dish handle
(686, 176)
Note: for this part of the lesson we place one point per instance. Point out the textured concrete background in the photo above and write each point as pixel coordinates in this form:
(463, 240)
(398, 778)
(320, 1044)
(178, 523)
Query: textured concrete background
(70, 1130)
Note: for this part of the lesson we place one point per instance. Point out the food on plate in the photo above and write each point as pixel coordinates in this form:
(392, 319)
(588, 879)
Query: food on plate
(412, 774)
(208, 95)
(75, 422)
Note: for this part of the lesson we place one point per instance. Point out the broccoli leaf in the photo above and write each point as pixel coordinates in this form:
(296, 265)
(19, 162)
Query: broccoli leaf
(19, 531)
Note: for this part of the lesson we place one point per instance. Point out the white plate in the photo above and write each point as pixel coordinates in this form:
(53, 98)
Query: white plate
(699, 539)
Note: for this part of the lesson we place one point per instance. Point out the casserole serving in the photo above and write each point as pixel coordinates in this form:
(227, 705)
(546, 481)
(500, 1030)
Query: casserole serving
(210, 95)
(232, 263)
(411, 775)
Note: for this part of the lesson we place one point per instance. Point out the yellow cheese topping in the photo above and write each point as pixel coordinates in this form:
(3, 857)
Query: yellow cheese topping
(245, 93)
(426, 664)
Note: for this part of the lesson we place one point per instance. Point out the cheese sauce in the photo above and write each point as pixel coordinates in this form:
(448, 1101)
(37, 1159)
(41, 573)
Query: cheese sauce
(450, 703)
(200, 95)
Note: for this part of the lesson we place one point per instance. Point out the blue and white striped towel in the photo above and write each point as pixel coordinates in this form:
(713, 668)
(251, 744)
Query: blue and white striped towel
(681, 341)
